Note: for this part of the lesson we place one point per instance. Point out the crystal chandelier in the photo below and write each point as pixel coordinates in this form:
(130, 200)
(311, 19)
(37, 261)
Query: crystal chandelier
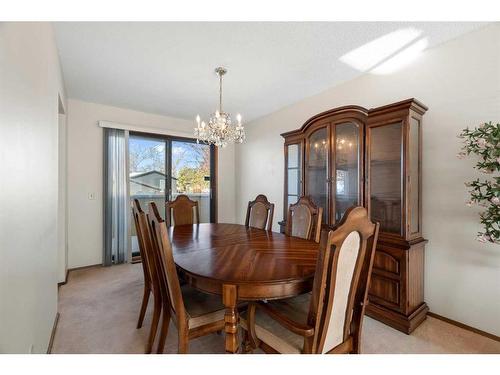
(219, 131)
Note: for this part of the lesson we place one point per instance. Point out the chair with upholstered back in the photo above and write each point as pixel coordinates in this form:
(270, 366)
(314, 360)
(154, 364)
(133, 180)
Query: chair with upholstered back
(194, 313)
(304, 220)
(151, 282)
(259, 212)
(328, 320)
(181, 210)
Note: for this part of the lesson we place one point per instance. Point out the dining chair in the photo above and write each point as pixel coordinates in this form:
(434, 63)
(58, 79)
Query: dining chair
(328, 320)
(194, 313)
(181, 210)
(151, 281)
(304, 220)
(259, 212)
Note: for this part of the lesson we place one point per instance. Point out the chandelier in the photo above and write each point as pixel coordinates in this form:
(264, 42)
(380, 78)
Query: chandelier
(219, 131)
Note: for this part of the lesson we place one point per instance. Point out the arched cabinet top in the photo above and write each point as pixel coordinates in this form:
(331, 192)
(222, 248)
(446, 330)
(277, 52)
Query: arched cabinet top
(356, 113)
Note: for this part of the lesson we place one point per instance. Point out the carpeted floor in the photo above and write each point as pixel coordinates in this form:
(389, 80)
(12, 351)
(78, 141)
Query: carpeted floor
(99, 308)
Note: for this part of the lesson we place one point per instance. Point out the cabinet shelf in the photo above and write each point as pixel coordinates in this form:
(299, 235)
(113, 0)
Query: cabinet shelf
(382, 162)
(316, 168)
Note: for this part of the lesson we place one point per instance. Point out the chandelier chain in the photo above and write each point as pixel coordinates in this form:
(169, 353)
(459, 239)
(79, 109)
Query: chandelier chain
(220, 92)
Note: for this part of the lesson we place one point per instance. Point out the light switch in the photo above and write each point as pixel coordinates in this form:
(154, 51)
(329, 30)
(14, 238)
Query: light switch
(91, 196)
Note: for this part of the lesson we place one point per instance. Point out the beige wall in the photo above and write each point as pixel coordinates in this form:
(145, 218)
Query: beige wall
(460, 83)
(85, 173)
(30, 81)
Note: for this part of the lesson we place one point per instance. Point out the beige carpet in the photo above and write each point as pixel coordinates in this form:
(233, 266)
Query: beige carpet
(99, 309)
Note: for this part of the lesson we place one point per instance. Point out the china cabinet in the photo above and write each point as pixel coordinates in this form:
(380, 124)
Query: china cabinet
(355, 156)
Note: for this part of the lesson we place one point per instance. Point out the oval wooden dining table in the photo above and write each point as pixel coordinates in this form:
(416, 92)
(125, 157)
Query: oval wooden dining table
(242, 264)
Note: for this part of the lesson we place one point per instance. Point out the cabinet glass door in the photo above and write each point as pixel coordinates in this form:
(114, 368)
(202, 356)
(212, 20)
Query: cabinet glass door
(346, 173)
(293, 174)
(317, 169)
(386, 176)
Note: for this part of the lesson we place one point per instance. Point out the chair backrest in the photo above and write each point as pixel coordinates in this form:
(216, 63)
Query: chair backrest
(145, 245)
(163, 249)
(181, 210)
(341, 282)
(304, 220)
(259, 212)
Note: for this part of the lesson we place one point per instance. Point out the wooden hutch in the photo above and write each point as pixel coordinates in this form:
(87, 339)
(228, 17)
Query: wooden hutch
(353, 156)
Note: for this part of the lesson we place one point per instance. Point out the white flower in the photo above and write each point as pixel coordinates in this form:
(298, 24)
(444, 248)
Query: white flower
(481, 142)
(496, 201)
(483, 238)
(487, 171)
(468, 204)
(461, 155)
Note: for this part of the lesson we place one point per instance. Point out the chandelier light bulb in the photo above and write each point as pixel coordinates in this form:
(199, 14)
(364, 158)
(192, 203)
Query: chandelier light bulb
(198, 119)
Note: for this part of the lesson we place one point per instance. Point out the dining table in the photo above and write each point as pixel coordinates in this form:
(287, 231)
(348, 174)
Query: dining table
(242, 263)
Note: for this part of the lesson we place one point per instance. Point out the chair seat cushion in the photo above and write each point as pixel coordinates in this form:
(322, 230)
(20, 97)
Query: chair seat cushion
(202, 308)
(273, 333)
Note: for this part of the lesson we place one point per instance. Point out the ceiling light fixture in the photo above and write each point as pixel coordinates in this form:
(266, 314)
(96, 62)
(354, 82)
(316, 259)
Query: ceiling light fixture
(219, 131)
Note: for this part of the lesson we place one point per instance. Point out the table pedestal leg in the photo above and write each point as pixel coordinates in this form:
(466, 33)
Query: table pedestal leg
(229, 299)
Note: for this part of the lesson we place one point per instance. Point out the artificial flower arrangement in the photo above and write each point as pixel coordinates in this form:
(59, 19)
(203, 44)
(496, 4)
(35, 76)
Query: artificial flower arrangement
(484, 141)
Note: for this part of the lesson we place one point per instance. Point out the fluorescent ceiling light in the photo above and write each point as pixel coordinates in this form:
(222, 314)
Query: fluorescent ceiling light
(382, 49)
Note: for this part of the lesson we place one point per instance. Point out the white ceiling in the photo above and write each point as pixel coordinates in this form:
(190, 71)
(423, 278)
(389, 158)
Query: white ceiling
(167, 67)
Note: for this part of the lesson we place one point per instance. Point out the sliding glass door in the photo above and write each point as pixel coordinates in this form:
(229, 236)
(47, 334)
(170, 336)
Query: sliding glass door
(191, 174)
(163, 167)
